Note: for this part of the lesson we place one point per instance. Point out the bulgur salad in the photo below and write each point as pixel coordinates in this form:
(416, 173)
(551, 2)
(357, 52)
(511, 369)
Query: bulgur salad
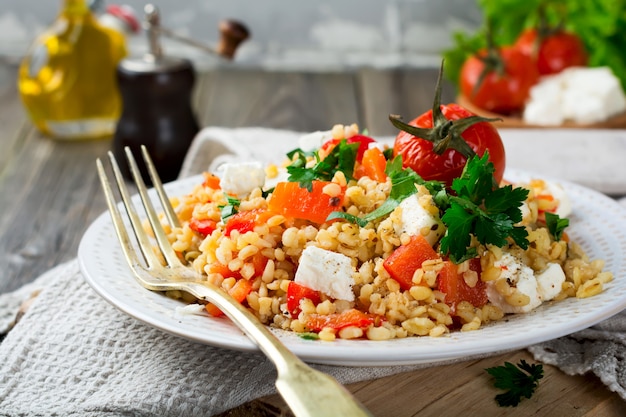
(344, 239)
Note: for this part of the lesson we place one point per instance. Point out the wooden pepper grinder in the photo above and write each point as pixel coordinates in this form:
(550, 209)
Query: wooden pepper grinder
(156, 98)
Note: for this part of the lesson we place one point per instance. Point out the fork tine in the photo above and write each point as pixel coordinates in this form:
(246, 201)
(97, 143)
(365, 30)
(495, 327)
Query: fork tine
(166, 248)
(158, 186)
(118, 223)
(144, 242)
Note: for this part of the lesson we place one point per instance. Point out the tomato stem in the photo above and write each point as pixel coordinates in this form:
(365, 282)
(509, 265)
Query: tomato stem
(445, 134)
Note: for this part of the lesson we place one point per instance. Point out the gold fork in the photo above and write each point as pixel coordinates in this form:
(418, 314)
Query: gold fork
(308, 392)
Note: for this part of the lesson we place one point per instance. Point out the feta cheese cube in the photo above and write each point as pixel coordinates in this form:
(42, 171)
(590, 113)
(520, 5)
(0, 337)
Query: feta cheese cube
(241, 178)
(326, 271)
(416, 219)
(519, 276)
(550, 281)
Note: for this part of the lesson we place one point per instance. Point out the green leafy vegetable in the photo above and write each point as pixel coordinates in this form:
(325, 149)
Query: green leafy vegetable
(601, 25)
(229, 209)
(341, 158)
(556, 225)
(519, 381)
(309, 336)
(481, 209)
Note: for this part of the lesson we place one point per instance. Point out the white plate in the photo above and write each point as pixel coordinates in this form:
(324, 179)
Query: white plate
(598, 224)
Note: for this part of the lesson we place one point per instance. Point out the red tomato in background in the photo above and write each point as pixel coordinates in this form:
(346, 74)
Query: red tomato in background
(502, 93)
(418, 154)
(556, 51)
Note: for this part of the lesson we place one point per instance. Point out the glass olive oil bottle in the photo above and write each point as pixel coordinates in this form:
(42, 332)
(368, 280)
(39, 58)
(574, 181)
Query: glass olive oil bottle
(67, 81)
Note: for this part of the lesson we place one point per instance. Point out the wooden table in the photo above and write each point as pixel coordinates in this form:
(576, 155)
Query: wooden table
(49, 194)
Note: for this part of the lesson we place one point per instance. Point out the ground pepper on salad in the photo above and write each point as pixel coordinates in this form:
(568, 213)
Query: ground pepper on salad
(343, 241)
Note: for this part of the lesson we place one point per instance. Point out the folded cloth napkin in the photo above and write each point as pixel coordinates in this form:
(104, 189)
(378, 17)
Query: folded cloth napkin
(73, 354)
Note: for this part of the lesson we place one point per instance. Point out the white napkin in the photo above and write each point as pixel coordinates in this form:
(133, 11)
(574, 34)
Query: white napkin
(73, 354)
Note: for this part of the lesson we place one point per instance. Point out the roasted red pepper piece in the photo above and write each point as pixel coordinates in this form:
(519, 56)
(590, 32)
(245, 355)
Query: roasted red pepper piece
(295, 293)
(291, 200)
(337, 321)
(205, 226)
(403, 262)
(453, 285)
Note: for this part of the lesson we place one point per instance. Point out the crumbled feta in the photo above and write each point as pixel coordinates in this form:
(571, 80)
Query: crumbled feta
(519, 276)
(580, 94)
(550, 281)
(326, 271)
(241, 178)
(191, 310)
(312, 141)
(416, 219)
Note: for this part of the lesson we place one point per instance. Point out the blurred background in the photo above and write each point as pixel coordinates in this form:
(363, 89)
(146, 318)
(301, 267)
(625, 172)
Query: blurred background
(291, 35)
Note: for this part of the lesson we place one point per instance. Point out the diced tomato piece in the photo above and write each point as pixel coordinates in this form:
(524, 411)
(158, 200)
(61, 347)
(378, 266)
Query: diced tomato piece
(452, 284)
(372, 165)
(291, 200)
(406, 259)
(245, 221)
(239, 292)
(211, 181)
(364, 143)
(205, 226)
(297, 292)
(337, 321)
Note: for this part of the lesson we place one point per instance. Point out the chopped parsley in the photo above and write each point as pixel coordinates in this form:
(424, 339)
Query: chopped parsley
(482, 209)
(229, 209)
(556, 225)
(309, 336)
(518, 381)
(341, 158)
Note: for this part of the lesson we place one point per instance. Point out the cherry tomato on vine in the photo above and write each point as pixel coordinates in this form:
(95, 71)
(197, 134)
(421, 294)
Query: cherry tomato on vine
(553, 52)
(499, 80)
(418, 154)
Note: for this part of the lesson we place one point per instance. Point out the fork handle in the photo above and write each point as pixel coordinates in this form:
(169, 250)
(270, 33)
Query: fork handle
(303, 388)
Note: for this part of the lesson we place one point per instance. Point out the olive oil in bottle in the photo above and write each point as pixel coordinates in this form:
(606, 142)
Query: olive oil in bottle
(67, 81)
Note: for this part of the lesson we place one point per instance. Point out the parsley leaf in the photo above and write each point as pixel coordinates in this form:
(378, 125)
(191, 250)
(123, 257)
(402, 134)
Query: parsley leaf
(309, 336)
(482, 209)
(229, 209)
(341, 158)
(519, 381)
(556, 225)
